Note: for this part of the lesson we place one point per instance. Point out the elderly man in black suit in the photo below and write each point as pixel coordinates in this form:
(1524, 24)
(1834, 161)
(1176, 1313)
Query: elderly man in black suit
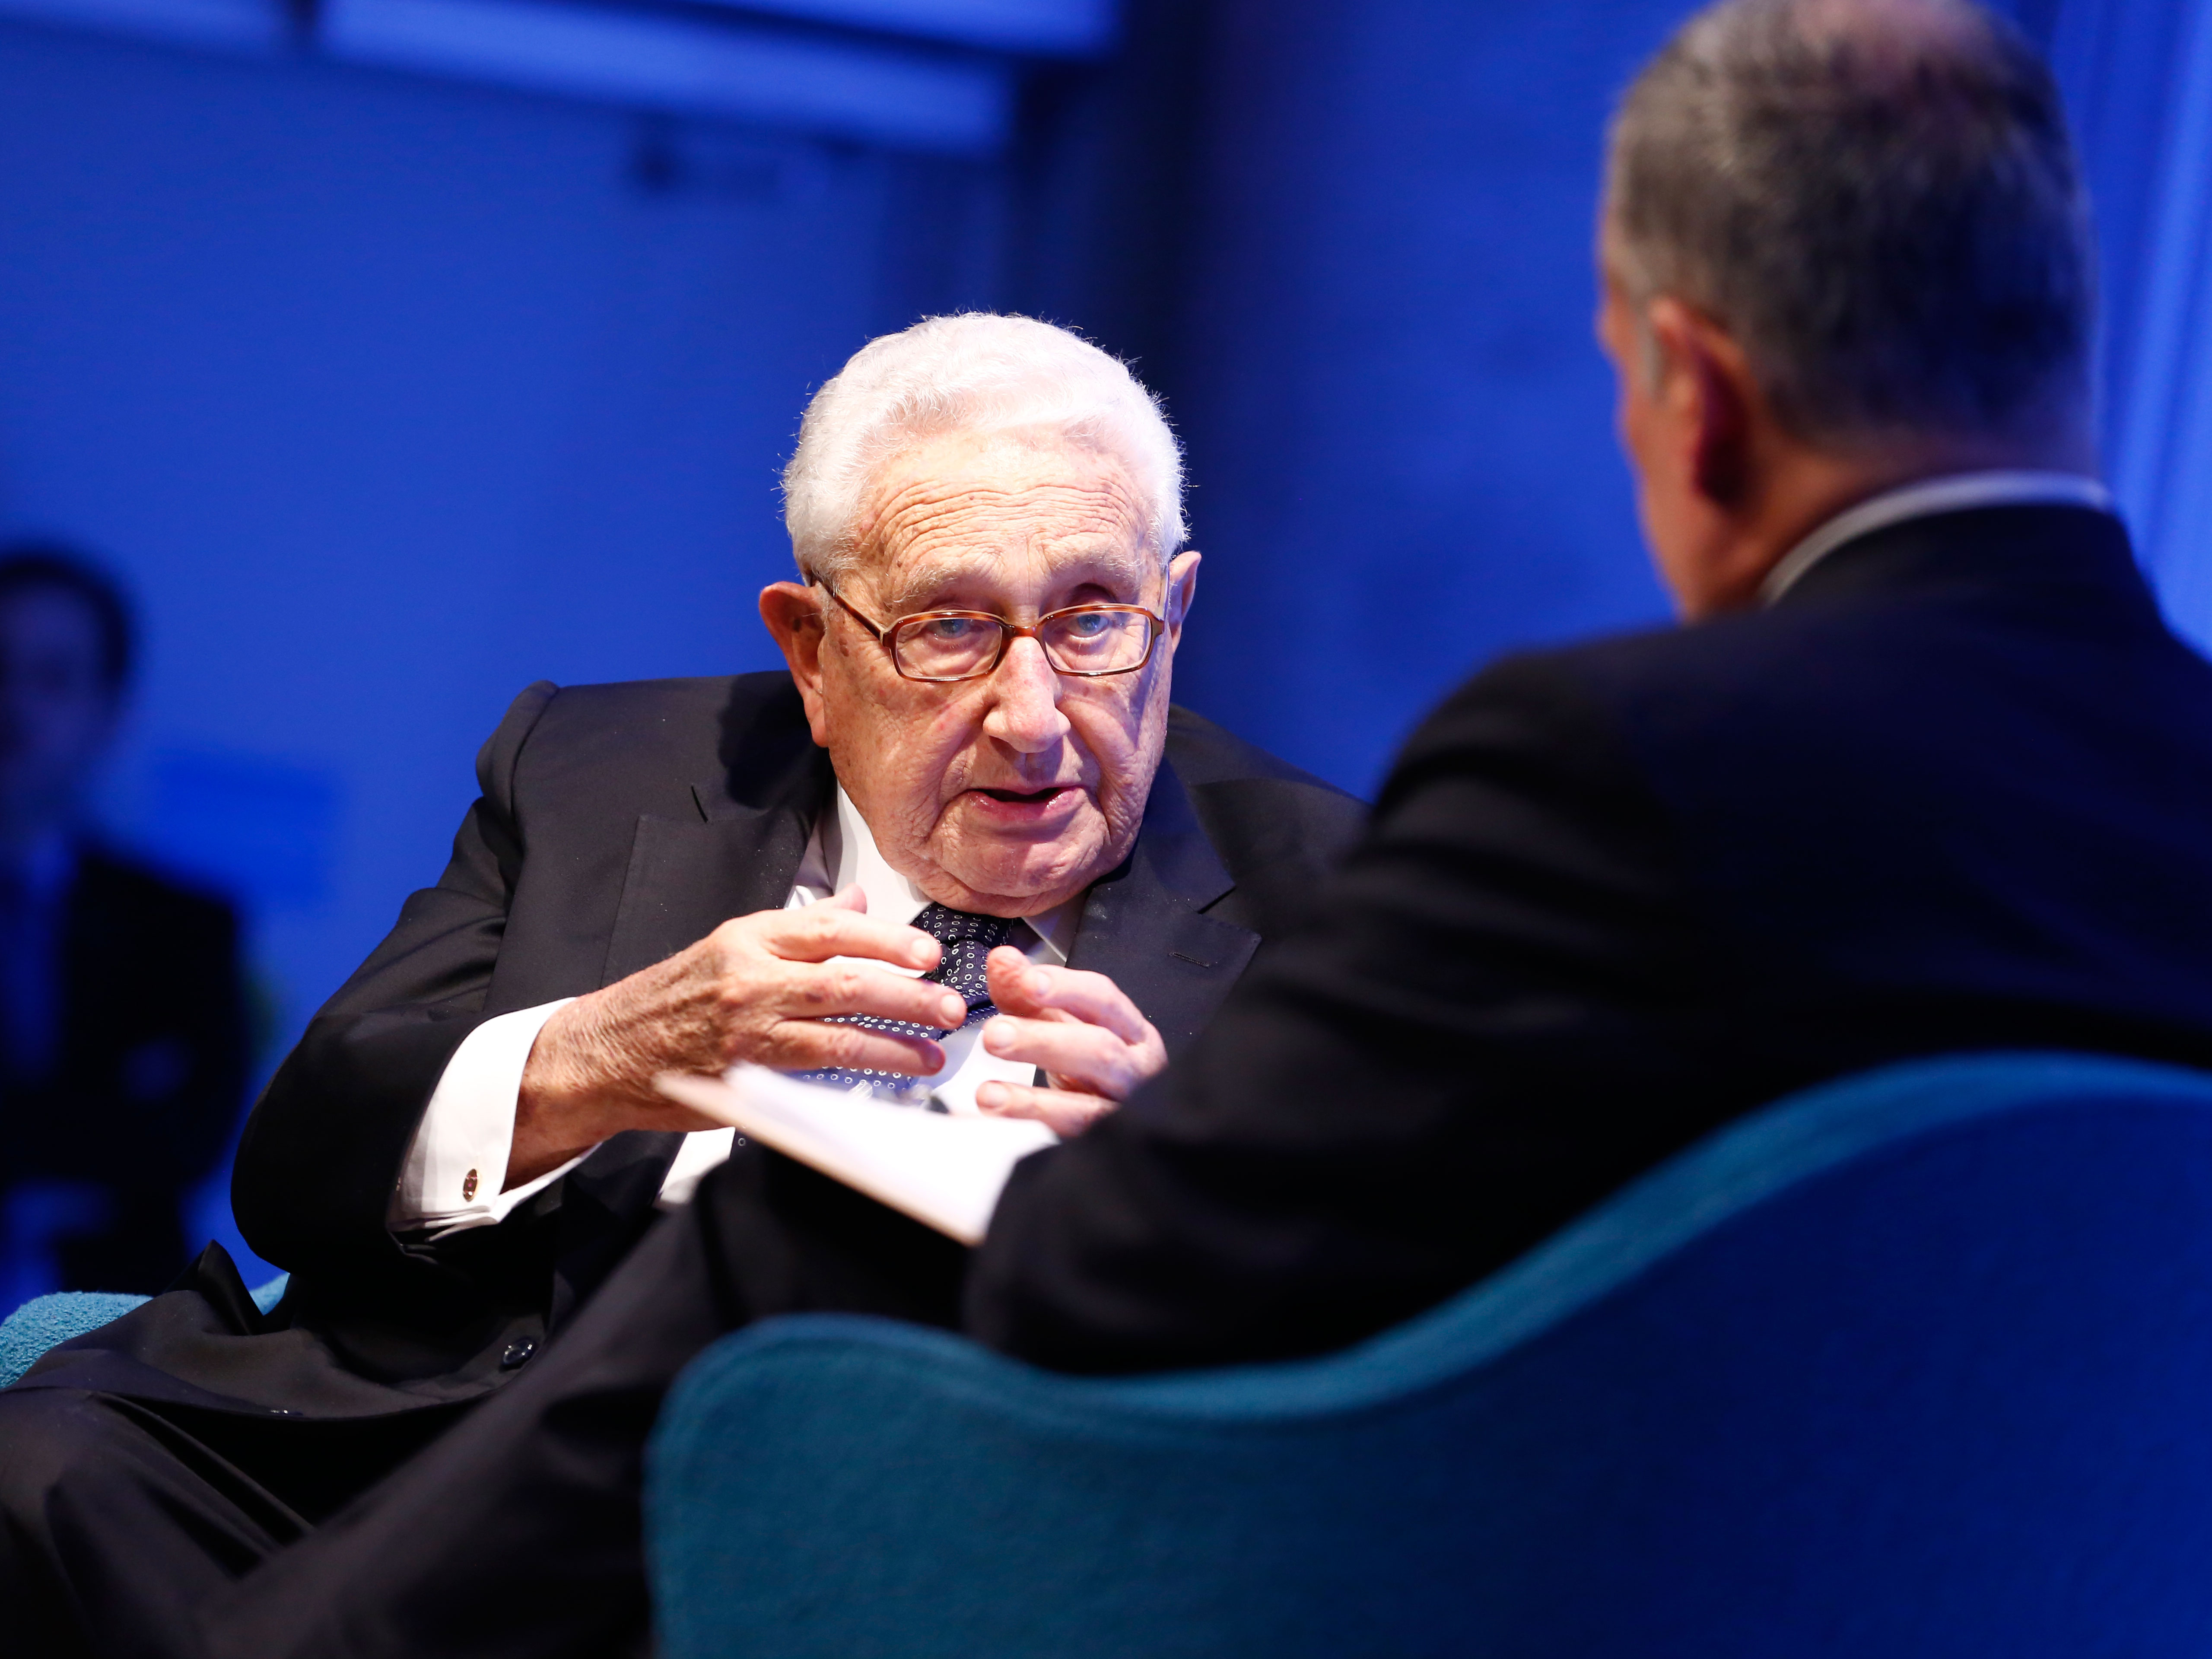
(674, 876)
(963, 853)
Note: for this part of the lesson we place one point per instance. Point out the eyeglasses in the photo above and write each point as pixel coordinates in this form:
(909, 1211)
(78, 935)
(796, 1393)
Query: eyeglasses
(1088, 642)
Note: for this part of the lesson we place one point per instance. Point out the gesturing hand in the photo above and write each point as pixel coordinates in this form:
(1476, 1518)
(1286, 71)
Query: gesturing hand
(759, 988)
(1093, 1045)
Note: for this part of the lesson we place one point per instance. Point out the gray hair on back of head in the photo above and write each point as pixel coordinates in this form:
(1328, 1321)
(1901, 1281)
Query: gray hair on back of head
(1878, 198)
(980, 373)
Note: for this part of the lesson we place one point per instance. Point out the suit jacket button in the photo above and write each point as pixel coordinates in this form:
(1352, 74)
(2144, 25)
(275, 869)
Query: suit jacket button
(517, 1351)
(468, 1186)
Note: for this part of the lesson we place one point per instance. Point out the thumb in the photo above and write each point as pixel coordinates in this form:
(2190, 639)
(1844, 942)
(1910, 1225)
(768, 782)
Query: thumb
(1006, 971)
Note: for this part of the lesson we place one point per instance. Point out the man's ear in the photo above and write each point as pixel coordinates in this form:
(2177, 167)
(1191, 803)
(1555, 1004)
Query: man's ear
(1708, 387)
(793, 612)
(1182, 588)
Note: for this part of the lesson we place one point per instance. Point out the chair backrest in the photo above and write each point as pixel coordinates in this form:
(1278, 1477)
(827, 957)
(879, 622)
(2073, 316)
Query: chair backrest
(47, 1322)
(1916, 1363)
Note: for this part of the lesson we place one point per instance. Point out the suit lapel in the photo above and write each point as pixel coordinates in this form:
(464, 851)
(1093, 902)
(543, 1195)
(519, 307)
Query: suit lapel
(685, 878)
(1143, 926)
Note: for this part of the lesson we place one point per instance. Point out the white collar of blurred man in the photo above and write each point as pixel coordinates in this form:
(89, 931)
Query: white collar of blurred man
(1952, 492)
(1009, 794)
(1727, 491)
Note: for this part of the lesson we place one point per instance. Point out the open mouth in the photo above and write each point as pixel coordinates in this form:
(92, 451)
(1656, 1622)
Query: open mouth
(1025, 797)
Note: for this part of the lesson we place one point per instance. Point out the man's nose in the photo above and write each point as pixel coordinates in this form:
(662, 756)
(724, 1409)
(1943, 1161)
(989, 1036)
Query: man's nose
(1025, 694)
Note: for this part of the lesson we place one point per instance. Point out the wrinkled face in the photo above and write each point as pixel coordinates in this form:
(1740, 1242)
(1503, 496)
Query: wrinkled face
(57, 709)
(1012, 793)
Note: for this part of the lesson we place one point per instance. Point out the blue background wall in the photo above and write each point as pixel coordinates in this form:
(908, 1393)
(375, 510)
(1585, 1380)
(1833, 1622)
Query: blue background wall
(391, 394)
(1387, 376)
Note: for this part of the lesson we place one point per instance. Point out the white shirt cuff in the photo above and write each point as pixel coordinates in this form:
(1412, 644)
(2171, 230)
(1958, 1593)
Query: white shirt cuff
(457, 1163)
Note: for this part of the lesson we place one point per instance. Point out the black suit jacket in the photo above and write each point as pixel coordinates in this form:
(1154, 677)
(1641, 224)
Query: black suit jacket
(617, 825)
(1952, 791)
(150, 1072)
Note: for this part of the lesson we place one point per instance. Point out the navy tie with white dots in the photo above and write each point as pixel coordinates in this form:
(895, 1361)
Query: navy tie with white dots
(968, 939)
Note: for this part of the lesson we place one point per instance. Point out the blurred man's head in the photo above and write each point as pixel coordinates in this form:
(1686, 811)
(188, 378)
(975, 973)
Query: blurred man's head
(66, 646)
(1007, 469)
(1845, 244)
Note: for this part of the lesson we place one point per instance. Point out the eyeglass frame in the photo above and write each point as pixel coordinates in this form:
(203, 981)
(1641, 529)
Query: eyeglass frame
(1008, 633)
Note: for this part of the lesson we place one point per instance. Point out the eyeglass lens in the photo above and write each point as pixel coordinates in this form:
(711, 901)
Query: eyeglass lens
(1075, 642)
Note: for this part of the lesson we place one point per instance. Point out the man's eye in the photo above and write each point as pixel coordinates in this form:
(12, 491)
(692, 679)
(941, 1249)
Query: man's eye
(950, 631)
(1090, 624)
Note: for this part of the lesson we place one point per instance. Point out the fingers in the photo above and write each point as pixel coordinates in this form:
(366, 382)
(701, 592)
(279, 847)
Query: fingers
(841, 926)
(1064, 1111)
(1079, 1027)
(1023, 988)
(809, 1045)
(1088, 1058)
(743, 994)
(808, 990)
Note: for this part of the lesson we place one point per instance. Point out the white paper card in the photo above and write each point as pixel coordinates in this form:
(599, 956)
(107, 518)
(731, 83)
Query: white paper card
(945, 1171)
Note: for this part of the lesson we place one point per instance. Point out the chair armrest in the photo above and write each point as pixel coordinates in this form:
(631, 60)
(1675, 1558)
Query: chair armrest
(46, 1322)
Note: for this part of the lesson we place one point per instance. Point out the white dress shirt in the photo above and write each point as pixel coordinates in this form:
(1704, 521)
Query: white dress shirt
(1957, 493)
(457, 1163)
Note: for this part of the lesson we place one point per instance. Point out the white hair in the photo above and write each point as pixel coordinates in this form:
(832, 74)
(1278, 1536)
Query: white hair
(972, 373)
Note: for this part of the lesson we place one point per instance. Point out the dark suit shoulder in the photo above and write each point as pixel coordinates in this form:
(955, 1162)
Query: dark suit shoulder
(1929, 604)
(647, 706)
(1578, 685)
(1536, 721)
(1203, 752)
(672, 720)
(1277, 828)
(647, 745)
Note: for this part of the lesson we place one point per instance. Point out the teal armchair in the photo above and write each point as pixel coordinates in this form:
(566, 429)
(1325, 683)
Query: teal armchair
(1919, 1363)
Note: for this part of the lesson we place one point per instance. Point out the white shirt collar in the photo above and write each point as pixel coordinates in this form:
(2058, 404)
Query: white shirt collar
(844, 852)
(1955, 494)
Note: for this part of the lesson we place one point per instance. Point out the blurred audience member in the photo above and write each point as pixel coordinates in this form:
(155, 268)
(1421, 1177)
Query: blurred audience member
(122, 1047)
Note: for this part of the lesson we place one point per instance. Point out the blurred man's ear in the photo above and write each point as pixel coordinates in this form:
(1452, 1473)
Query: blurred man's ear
(1706, 387)
(793, 612)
